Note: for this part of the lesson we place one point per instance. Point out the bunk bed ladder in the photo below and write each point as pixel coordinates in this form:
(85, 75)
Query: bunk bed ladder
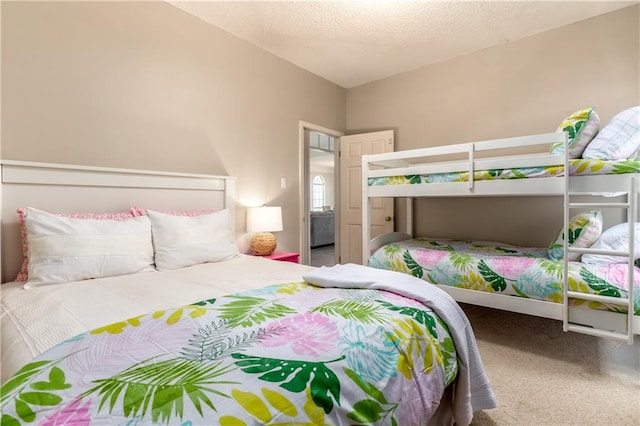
(624, 302)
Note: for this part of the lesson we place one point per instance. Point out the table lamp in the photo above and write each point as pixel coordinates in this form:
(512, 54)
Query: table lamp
(264, 220)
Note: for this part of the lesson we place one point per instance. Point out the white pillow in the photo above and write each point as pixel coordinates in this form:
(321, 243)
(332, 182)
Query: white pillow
(619, 139)
(614, 238)
(63, 249)
(181, 241)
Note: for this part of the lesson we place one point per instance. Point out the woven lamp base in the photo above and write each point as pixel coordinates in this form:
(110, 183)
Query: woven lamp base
(263, 244)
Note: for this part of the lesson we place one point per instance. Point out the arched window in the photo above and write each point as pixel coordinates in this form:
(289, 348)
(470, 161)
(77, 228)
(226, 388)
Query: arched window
(317, 193)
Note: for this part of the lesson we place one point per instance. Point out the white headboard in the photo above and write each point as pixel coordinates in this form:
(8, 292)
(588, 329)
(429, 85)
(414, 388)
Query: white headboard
(62, 188)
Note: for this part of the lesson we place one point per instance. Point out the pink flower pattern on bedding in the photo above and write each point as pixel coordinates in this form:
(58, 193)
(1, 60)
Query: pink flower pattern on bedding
(310, 334)
(510, 267)
(72, 414)
(430, 256)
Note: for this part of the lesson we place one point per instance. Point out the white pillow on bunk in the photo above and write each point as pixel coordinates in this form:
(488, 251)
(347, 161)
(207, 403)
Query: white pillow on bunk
(63, 249)
(619, 139)
(581, 127)
(584, 230)
(614, 238)
(181, 241)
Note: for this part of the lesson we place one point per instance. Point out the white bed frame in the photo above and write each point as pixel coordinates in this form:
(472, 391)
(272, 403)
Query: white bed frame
(70, 188)
(482, 156)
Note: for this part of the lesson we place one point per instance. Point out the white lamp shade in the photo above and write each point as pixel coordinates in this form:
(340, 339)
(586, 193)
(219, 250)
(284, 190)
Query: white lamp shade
(264, 219)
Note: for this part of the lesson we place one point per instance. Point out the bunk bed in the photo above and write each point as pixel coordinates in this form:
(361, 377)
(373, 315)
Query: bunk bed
(498, 168)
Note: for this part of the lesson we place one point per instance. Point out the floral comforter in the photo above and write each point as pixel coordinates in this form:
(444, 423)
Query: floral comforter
(578, 167)
(504, 268)
(285, 354)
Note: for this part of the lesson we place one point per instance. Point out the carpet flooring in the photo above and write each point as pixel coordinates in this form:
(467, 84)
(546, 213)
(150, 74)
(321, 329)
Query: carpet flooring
(544, 376)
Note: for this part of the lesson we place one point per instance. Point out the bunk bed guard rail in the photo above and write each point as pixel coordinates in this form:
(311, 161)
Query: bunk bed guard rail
(424, 161)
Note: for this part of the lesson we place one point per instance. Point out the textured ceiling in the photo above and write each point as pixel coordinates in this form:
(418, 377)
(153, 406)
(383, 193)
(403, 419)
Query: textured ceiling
(354, 42)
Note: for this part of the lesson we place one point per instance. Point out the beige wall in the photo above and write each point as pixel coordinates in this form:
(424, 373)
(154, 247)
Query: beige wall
(523, 87)
(145, 85)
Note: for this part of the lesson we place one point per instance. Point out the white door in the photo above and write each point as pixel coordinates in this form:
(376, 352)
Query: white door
(352, 148)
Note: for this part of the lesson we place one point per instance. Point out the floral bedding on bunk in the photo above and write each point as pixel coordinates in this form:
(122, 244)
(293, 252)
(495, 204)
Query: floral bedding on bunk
(507, 269)
(284, 354)
(578, 167)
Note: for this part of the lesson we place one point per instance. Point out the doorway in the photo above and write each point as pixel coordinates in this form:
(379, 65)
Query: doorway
(319, 194)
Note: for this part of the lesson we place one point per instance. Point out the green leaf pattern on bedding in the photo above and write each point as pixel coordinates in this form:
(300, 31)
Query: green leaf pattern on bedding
(353, 310)
(27, 400)
(413, 179)
(416, 270)
(372, 409)
(247, 310)
(159, 388)
(498, 283)
(295, 376)
(284, 354)
(598, 285)
(626, 166)
(417, 314)
(507, 269)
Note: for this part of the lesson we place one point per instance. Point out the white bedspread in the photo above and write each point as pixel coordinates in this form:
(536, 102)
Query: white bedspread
(472, 389)
(36, 319)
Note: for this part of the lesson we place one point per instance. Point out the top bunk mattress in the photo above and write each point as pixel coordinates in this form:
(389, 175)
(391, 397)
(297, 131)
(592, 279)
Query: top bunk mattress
(577, 167)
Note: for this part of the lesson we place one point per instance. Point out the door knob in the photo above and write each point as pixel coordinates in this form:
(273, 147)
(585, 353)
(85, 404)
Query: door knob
(387, 218)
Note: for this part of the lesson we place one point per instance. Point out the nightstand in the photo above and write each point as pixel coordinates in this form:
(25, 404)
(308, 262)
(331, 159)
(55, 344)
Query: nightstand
(283, 256)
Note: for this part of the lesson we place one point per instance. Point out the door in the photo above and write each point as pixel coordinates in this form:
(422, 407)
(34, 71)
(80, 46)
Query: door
(352, 148)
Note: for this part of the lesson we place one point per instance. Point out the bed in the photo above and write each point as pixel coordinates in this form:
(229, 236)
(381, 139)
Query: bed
(488, 273)
(229, 339)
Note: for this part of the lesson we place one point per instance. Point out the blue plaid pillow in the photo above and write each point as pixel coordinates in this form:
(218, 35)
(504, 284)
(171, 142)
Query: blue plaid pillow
(619, 139)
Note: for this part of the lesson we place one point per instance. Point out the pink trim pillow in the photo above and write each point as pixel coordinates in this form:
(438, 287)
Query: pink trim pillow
(23, 275)
(141, 211)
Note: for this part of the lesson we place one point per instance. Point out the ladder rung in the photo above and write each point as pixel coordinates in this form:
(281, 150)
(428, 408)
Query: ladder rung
(598, 298)
(628, 203)
(596, 332)
(604, 205)
(609, 194)
(596, 251)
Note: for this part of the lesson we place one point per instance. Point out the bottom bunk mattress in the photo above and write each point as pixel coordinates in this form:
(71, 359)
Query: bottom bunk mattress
(288, 354)
(507, 269)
